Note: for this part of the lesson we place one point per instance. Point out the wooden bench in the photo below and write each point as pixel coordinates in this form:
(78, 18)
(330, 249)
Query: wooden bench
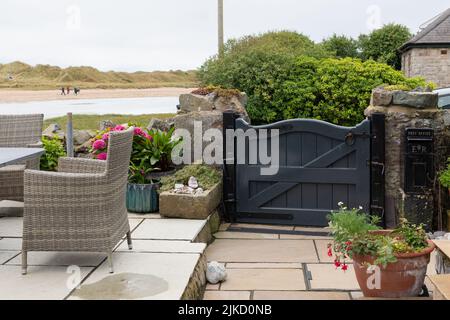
(442, 282)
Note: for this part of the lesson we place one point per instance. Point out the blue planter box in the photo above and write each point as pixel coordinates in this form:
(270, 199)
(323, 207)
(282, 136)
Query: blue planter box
(142, 198)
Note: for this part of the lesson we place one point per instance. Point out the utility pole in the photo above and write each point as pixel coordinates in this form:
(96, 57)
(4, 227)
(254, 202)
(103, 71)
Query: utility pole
(221, 37)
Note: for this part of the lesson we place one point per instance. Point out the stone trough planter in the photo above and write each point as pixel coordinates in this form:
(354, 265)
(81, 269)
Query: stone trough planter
(190, 206)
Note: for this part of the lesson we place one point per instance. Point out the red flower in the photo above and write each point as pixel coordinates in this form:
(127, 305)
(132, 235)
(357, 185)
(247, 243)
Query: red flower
(337, 263)
(344, 267)
(330, 252)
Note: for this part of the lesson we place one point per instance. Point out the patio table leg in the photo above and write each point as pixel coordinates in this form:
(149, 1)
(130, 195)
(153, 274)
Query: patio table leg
(130, 242)
(110, 262)
(24, 262)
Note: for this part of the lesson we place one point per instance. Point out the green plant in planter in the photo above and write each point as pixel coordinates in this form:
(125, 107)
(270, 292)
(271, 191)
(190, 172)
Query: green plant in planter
(444, 177)
(151, 151)
(54, 149)
(355, 234)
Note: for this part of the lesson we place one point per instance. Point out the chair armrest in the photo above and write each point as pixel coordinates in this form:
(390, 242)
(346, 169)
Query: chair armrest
(79, 165)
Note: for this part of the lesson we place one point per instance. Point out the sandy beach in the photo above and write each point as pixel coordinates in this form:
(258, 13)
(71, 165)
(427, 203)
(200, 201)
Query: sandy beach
(12, 95)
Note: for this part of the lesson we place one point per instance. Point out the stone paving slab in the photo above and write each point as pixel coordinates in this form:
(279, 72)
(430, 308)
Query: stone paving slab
(41, 283)
(168, 229)
(280, 265)
(303, 237)
(244, 235)
(11, 208)
(226, 295)
(159, 276)
(228, 250)
(144, 216)
(264, 279)
(11, 227)
(14, 244)
(162, 246)
(261, 226)
(85, 259)
(300, 295)
(7, 255)
(326, 276)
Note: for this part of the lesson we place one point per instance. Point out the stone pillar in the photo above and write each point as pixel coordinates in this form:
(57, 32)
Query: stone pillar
(410, 110)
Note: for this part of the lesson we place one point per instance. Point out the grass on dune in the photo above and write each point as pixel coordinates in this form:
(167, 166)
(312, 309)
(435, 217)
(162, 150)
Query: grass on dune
(92, 122)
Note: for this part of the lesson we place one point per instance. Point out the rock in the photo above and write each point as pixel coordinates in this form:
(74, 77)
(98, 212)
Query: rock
(105, 124)
(84, 148)
(80, 137)
(381, 97)
(215, 272)
(54, 130)
(419, 100)
(161, 124)
(212, 102)
(193, 183)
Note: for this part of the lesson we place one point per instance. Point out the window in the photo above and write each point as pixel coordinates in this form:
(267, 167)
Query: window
(443, 51)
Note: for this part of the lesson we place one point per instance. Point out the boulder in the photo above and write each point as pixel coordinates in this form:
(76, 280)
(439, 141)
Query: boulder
(419, 100)
(161, 124)
(216, 272)
(381, 97)
(80, 137)
(214, 102)
(54, 130)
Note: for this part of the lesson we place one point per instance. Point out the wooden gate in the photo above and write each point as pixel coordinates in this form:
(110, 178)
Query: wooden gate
(320, 165)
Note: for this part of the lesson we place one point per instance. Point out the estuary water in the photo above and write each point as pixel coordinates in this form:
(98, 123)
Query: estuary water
(129, 106)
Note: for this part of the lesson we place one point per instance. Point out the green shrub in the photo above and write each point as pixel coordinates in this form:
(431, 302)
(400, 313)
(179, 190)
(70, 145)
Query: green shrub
(54, 149)
(382, 44)
(342, 46)
(444, 177)
(207, 177)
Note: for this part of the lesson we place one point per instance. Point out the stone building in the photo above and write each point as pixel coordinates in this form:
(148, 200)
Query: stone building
(428, 53)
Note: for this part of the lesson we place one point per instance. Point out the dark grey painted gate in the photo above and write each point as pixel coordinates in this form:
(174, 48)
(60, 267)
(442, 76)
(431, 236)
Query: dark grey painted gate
(320, 165)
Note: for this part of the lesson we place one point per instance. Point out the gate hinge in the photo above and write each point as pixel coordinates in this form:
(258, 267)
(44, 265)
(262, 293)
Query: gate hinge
(378, 164)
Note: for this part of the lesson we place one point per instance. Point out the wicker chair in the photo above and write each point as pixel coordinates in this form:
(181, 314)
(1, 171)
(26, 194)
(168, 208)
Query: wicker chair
(82, 207)
(18, 131)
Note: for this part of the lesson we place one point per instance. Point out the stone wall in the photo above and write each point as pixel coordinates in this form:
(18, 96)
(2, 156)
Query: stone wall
(431, 63)
(410, 110)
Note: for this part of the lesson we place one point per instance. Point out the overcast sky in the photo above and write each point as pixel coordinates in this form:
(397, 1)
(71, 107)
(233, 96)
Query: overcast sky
(130, 35)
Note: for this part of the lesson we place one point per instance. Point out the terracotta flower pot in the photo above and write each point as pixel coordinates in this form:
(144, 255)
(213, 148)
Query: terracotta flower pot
(404, 278)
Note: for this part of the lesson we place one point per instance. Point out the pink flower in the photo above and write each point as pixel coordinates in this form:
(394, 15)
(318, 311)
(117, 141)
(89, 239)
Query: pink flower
(138, 132)
(105, 137)
(102, 156)
(148, 137)
(99, 145)
(119, 128)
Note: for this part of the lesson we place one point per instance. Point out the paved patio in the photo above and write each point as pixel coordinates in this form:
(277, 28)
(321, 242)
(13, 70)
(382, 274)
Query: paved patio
(279, 263)
(159, 266)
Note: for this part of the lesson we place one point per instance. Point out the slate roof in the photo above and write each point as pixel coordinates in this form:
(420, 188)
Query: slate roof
(437, 32)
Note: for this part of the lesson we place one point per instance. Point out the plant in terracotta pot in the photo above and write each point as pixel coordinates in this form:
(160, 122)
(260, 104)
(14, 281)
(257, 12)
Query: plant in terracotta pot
(387, 263)
(149, 154)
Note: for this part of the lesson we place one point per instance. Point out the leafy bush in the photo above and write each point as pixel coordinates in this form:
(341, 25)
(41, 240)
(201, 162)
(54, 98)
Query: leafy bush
(444, 177)
(286, 75)
(342, 46)
(382, 44)
(152, 151)
(354, 234)
(207, 177)
(54, 149)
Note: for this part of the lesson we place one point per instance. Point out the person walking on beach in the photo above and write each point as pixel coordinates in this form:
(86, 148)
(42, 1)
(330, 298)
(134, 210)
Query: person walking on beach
(63, 91)
(76, 91)
(68, 90)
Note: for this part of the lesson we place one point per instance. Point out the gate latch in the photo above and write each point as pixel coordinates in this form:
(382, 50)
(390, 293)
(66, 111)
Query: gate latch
(350, 137)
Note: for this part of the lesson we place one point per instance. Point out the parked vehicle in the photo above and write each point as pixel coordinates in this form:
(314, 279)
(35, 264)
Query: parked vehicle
(444, 97)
